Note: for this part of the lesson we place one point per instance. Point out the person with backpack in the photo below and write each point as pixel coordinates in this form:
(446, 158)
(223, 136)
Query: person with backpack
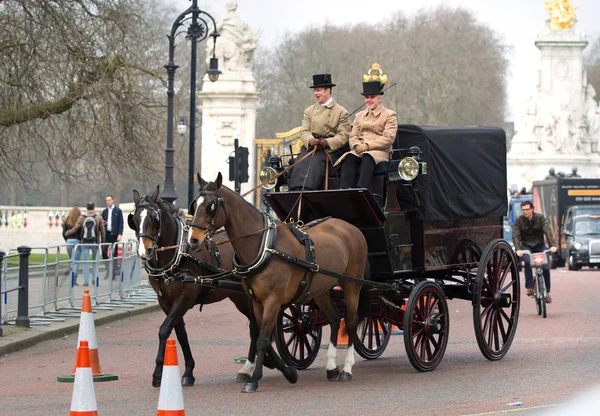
(90, 229)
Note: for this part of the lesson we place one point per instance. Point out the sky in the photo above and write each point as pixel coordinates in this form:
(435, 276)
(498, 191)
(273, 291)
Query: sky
(518, 23)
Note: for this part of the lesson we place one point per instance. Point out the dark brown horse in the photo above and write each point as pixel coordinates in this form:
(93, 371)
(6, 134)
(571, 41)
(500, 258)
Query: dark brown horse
(157, 227)
(271, 280)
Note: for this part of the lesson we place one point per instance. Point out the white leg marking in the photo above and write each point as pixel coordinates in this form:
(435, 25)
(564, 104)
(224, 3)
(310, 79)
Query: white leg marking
(141, 248)
(248, 368)
(331, 355)
(349, 360)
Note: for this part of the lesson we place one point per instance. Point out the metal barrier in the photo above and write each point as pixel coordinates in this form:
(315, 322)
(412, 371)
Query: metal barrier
(51, 287)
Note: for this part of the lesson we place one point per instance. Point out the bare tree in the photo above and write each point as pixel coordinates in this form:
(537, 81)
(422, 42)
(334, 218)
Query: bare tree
(448, 69)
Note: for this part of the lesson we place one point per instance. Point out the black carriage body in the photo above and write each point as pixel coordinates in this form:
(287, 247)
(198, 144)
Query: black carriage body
(437, 237)
(443, 223)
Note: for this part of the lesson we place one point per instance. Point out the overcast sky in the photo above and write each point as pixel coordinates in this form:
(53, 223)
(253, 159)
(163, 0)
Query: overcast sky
(517, 21)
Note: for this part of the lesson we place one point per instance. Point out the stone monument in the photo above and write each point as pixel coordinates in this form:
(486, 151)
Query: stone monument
(560, 126)
(229, 105)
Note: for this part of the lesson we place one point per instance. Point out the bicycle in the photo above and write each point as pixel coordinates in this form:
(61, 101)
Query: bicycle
(538, 260)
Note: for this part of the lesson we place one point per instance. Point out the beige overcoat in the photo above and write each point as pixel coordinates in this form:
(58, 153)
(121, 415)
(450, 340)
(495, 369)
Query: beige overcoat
(321, 121)
(376, 128)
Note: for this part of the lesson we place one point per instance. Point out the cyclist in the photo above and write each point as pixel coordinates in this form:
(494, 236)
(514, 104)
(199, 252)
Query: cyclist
(528, 234)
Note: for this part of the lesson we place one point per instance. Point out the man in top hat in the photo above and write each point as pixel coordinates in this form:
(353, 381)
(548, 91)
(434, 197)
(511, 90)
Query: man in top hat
(326, 126)
(371, 139)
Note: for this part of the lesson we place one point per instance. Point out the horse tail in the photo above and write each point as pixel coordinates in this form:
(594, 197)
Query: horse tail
(364, 302)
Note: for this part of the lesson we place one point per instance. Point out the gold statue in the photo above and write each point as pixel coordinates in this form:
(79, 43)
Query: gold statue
(375, 74)
(562, 14)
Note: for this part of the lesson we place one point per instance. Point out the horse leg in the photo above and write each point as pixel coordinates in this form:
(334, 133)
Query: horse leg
(325, 304)
(351, 299)
(246, 371)
(188, 378)
(174, 312)
(265, 317)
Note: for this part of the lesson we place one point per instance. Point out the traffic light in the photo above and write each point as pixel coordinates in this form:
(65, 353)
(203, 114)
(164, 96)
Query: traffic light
(238, 165)
(243, 164)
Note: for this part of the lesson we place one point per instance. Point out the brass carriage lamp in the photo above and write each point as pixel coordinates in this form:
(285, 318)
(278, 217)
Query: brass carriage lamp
(213, 68)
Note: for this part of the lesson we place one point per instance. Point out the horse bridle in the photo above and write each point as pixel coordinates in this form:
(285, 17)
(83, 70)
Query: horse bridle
(212, 209)
(155, 213)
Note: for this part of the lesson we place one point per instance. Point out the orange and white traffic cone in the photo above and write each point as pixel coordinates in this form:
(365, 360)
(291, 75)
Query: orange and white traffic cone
(83, 402)
(170, 400)
(87, 332)
(342, 340)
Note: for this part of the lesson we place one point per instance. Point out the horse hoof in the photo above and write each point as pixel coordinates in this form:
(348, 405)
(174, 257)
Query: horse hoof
(332, 375)
(291, 374)
(344, 376)
(250, 387)
(187, 381)
(242, 377)
(156, 382)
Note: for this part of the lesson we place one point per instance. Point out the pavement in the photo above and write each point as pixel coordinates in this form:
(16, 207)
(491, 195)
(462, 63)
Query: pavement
(17, 338)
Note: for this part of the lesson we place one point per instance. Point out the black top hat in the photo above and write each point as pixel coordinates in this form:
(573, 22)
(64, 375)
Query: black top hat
(322, 81)
(372, 88)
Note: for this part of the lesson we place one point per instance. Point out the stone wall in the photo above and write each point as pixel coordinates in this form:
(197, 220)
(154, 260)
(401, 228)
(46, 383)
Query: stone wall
(38, 232)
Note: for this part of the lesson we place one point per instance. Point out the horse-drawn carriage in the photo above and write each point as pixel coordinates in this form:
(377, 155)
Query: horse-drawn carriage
(435, 234)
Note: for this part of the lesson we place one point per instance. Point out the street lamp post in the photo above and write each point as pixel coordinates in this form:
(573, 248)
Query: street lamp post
(197, 31)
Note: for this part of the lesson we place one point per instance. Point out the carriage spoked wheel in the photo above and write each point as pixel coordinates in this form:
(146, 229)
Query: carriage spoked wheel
(426, 326)
(297, 337)
(496, 300)
(373, 335)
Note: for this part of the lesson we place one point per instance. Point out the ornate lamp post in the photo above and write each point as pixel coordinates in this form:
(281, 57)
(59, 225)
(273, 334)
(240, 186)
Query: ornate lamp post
(196, 32)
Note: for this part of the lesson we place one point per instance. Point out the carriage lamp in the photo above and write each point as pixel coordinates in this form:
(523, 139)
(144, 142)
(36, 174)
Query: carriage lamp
(213, 67)
(267, 173)
(273, 166)
(408, 168)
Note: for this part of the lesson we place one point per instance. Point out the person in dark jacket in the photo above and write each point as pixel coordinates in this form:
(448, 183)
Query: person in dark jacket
(113, 219)
(528, 234)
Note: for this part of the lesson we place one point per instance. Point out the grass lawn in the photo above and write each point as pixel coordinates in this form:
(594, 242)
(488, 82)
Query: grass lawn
(38, 258)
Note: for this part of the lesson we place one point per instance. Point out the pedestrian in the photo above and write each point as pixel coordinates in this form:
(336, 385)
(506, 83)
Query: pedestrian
(528, 234)
(371, 139)
(113, 219)
(91, 231)
(326, 126)
(72, 241)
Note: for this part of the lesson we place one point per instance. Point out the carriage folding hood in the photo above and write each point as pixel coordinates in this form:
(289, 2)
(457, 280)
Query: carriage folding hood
(466, 176)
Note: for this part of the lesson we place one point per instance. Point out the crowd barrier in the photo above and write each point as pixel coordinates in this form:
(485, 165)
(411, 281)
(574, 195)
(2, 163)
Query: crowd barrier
(42, 286)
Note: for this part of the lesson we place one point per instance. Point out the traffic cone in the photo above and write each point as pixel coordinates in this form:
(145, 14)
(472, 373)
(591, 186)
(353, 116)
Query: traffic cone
(170, 400)
(342, 340)
(83, 401)
(87, 332)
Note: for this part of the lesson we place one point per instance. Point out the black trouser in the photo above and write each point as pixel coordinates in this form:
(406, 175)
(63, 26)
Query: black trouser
(110, 238)
(314, 167)
(357, 172)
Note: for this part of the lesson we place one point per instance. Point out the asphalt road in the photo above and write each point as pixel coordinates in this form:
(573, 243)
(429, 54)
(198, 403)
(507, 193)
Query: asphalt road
(550, 361)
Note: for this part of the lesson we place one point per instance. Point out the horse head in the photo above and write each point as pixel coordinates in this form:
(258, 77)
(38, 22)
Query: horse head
(147, 222)
(208, 210)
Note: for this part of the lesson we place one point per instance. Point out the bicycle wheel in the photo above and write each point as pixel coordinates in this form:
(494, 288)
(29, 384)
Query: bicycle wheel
(537, 292)
(542, 286)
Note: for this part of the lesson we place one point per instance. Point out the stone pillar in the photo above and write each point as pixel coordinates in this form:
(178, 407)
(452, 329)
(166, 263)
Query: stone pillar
(228, 113)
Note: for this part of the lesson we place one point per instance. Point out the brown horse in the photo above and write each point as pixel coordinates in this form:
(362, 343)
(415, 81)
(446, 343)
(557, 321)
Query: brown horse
(339, 247)
(157, 227)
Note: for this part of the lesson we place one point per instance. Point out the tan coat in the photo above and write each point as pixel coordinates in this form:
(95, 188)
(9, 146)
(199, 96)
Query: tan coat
(377, 129)
(320, 121)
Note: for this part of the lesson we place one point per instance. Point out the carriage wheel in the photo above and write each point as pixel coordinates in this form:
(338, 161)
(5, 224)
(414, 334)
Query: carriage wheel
(372, 337)
(496, 300)
(426, 326)
(297, 338)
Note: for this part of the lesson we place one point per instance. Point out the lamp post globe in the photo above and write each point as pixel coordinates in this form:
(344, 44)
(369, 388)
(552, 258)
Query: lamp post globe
(197, 31)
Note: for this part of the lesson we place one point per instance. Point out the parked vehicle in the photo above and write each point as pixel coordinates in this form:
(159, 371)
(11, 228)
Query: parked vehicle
(581, 233)
(554, 197)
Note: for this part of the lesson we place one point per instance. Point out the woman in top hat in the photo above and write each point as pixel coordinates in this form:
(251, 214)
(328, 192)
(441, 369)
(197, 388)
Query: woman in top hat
(325, 125)
(371, 139)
